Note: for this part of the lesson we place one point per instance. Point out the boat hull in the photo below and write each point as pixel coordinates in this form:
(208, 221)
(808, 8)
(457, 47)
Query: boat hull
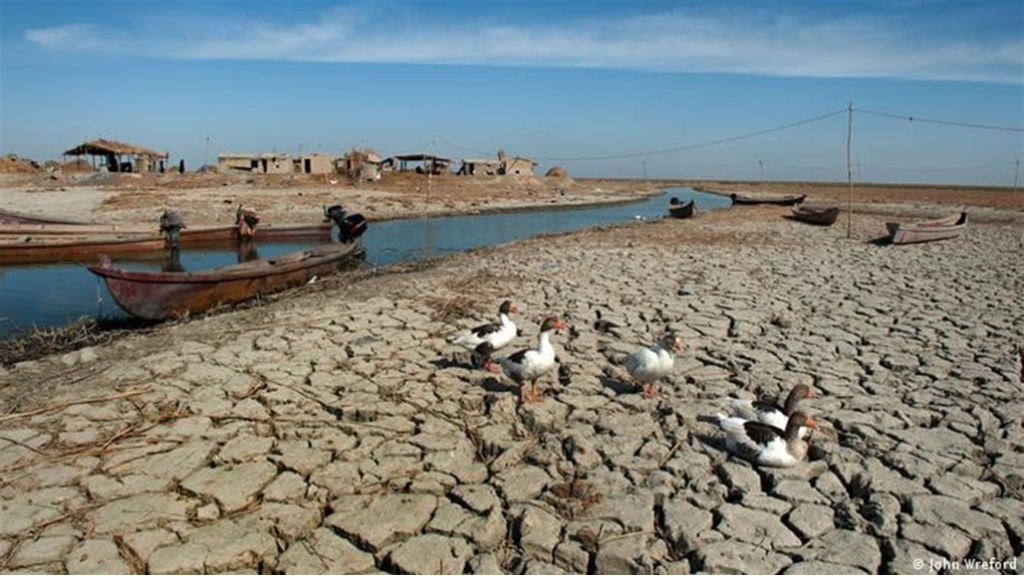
(31, 250)
(41, 243)
(7, 217)
(776, 200)
(683, 211)
(165, 295)
(816, 216)
(930, 231)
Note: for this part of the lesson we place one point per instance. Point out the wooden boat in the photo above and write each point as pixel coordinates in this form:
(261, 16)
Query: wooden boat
(163, 295)
(22, 243)
(8, 217)
(928, 231)
(777, 200)
(201, 232)
(825, 216)
(68, 248)
(683, 210)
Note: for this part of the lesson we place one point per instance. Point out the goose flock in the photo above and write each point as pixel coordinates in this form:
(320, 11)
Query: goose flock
(764, 431)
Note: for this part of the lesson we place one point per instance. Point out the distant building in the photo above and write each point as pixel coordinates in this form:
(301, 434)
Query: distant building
(363, 165)
(518, 166)
(515, 166)
(480, 167)
(119, 157)
(315, 164)
(266, 163)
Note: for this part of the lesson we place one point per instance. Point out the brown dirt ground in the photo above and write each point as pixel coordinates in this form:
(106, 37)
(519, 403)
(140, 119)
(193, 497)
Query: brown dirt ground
(206, 198)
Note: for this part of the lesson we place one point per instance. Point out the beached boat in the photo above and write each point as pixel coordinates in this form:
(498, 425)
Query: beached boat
(164, 295)
(22, 243)
(68, 248)
(8, 217)
(683, 210)
(825, 216)
(939, 229)
(199, 233)
(740, 199)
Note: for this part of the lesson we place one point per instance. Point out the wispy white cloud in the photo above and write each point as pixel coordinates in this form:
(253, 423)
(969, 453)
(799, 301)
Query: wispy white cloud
(762, 43)
(78, 37)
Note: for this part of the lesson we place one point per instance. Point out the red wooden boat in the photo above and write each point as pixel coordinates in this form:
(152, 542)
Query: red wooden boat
(164, 295)
(928, 231)
(777, 200)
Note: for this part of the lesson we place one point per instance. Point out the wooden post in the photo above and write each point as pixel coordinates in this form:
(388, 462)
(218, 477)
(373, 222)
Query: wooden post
(849, 171)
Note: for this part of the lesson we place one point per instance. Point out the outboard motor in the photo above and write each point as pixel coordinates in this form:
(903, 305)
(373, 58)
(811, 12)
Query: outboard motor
(246, 219)
(350, 227)
(171, 225)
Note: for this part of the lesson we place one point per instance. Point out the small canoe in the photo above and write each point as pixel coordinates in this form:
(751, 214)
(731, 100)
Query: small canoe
(777, 200)
(825, 216)
(164, 295)
(928, 231)
(683, 210)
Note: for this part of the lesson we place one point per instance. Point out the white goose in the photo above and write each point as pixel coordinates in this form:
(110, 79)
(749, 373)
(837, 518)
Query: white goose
(768, 410)
(764, 444)
(648, 365)
(532, 363)
(486, 338)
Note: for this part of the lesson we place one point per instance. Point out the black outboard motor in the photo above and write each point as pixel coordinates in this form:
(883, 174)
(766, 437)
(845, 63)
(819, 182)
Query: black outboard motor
(350, 227)
(171, 225)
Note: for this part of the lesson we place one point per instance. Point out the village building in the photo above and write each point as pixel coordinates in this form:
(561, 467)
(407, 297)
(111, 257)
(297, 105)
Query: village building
(115, 156)
(514, 166)
(315, 164)
(363, 165)
(518, 166)
(480, 167)
(266, 163)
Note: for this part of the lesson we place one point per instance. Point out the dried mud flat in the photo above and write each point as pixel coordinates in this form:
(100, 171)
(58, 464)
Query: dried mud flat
(334, 430)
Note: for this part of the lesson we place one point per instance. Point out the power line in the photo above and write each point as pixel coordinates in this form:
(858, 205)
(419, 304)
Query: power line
(695, 146)
(942, 122)
(466, 148)
(944, 169)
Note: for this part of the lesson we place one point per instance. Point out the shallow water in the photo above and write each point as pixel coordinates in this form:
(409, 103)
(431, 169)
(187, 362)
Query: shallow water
(52, 295)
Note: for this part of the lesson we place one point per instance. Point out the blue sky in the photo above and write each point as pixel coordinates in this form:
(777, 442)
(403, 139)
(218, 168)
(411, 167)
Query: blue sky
(704, 89)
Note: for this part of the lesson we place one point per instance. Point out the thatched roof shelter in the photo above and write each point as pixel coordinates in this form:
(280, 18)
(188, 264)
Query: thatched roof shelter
(103, 147)
(112, 152)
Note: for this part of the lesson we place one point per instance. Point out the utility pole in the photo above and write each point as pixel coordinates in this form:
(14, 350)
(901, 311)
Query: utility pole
(761, 163)
(849, 171)
(433, 165)
(1016, 172)
(206, 152)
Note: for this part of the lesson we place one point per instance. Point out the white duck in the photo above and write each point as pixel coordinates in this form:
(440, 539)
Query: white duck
(764, 444)
(648, 365)
(532, 363)
(768, 410)
(492, 336)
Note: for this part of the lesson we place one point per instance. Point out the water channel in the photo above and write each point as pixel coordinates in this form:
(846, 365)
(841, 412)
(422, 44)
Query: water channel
(51, 295)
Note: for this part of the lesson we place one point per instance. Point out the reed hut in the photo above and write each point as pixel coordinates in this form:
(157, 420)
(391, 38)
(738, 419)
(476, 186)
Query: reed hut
(119, 157)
